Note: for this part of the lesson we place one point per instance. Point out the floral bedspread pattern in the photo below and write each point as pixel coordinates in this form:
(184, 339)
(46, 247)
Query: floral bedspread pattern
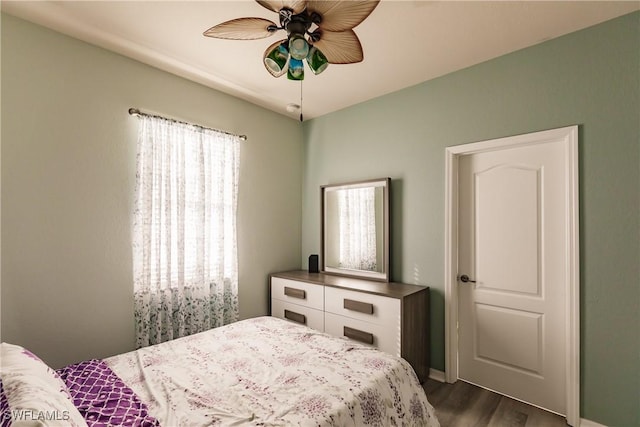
(269, 372)
(102, 398)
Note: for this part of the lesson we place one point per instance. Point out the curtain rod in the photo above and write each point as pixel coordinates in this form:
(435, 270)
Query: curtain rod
(136, 112)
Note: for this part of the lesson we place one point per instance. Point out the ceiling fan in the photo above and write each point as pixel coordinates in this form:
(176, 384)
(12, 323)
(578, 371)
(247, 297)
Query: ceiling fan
(319, 31)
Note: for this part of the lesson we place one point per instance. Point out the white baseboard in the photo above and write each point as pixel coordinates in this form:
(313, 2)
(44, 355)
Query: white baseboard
(436, 375)
(588, 423)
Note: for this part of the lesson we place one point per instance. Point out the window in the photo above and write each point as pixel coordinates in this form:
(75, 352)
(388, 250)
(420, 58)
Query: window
(184, 246)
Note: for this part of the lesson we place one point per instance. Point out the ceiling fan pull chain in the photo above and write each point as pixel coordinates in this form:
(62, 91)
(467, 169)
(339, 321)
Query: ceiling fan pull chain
(301, 100)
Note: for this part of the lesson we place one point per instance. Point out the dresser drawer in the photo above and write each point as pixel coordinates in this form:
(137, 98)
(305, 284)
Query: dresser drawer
(362, 306)
(393, 317)
(299, 314)
(300, 293)
(381, 337)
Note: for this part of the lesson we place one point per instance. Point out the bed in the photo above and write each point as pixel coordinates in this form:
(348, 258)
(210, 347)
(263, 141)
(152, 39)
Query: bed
(256, 372)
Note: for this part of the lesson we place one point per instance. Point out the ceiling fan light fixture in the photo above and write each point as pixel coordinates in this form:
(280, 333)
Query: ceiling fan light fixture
(296, 69)
(316, 60)
(327, 24)
(276, 60)
(298, 47)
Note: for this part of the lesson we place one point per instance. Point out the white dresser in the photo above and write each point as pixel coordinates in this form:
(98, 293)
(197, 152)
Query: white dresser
(393, 317)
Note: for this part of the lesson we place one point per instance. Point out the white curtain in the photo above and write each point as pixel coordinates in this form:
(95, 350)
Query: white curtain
(357, 213)
(184, 237)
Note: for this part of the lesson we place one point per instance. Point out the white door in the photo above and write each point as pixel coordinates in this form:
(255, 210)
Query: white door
(513, 238)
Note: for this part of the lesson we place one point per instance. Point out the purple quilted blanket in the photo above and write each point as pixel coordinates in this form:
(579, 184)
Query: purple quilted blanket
(102, 398)
(5, 414)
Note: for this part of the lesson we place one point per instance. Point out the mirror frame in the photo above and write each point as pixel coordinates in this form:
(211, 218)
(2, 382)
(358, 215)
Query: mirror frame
(385, 183)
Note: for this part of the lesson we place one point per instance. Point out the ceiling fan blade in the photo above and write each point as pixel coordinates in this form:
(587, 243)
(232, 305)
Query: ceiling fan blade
(342, 47)
(275, 5)
(341, 15)
(242, 29)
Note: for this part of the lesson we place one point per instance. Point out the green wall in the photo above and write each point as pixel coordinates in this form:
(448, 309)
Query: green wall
(590, 78)
(68, 181)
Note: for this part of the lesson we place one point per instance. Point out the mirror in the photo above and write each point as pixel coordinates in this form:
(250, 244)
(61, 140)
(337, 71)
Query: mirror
(355, 229)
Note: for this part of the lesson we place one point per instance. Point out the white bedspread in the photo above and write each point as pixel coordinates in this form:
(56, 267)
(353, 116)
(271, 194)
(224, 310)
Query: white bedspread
(269, 372)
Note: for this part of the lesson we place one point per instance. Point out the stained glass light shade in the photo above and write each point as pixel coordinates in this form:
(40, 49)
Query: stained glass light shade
(296, 69)
(316, 60)
(276, 60)
(298, 46)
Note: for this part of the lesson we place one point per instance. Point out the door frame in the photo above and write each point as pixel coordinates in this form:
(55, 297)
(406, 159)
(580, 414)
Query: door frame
(569, 137)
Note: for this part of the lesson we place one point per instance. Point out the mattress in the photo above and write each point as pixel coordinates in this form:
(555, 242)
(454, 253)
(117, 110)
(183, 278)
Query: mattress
(257, 372)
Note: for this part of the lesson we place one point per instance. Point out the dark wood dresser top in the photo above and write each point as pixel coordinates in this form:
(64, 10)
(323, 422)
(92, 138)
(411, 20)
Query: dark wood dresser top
(388, 289)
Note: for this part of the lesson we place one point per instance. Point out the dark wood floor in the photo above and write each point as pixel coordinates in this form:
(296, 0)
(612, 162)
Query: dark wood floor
(465, 405)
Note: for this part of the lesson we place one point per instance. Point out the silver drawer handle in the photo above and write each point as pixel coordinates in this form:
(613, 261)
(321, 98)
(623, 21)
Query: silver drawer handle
(295, 293)
(357, 335)
(362, 307)
(295, 317)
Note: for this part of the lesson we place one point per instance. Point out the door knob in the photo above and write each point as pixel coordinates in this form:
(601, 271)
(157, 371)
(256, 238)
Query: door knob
(465, 279)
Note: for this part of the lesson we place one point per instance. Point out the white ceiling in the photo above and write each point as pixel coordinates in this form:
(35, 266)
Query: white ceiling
(404, 42)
